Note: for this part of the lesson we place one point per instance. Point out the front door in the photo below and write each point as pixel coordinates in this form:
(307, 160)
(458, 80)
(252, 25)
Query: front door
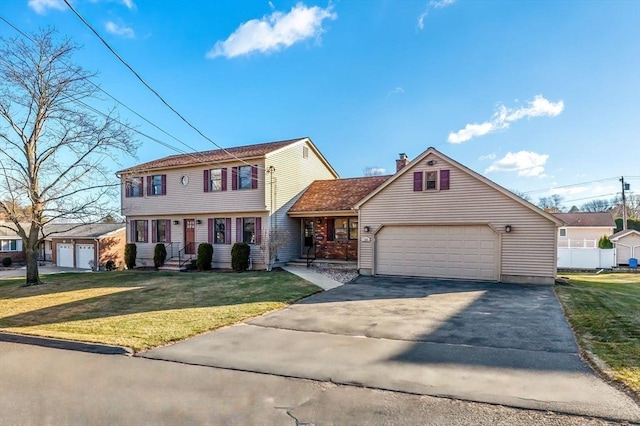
(308, 235)
(189, 236)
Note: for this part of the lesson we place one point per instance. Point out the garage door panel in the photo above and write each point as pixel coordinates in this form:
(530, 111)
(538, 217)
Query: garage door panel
(64, 255)
(84, 256)
(467, 252)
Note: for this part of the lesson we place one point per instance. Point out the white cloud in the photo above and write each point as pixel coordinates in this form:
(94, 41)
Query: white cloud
(396, 91)
(272, 6)
(491, 156)
(569, 191)
(433, 4)
(504, 116)
(119, 30)
(41, 6)
(273, 32)
(129, 4)
(526, 163)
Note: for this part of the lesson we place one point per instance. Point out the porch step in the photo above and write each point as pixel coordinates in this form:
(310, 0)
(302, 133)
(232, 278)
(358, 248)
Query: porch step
(325, 263)
(174, 265)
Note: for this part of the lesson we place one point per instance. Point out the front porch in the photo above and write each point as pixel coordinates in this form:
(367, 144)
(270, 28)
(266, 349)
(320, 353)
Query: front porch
(330, 238)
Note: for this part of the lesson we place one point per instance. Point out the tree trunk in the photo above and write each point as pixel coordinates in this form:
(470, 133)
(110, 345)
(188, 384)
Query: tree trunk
(31, 259)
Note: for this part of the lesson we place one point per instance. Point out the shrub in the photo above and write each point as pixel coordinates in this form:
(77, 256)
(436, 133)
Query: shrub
(205, 256)
(605, 243)
(631, 224)
(240, 256)
(130, 253)
(159, 255)
(6, 262)
(110, 265)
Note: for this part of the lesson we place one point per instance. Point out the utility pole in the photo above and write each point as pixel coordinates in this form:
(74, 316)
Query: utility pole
(625, 186)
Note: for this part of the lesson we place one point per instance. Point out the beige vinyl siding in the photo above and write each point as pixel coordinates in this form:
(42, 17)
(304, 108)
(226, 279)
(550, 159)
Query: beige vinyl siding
(627, 247)
(293, 174)
(583, 236)
(528, 251)
(192, 199)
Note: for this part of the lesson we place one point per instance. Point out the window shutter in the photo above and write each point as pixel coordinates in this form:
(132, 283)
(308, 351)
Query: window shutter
(140, 187)
(239, 229)
(127, 188)
(234, 178)
(132, 231)
(154, 228)
(149, 185)
(206, 180)
(223, 175)
(258, 230)
(210, 230)
(227, 230)
(444, 180)
(163, 191)
(146, 231)
(167, 231)
(417, 181)
(254, 177)
(331, 229)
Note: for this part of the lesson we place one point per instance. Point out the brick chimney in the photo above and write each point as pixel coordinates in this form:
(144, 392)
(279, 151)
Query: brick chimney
(402, 161)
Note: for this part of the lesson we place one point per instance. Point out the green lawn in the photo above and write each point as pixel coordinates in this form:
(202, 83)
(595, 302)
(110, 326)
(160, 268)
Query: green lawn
(604, 310)
(141, 310)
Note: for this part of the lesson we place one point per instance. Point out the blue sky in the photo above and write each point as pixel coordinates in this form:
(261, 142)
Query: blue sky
(540, 96)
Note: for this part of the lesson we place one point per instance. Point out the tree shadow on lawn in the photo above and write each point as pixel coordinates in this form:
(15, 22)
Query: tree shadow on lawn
(151, 296)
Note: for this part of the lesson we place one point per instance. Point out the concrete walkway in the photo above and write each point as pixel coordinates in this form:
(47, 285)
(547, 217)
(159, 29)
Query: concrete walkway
(483, 342)
(313, 277)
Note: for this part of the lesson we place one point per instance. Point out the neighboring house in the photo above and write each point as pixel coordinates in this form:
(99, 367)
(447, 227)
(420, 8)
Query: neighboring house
(82, 246)
(437, 218)
(584, 229)
(627, 245)
(221, 197)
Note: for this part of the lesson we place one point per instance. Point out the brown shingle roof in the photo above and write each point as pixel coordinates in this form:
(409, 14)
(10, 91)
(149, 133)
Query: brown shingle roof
(336, 194)
(217, 155)
(586, 219)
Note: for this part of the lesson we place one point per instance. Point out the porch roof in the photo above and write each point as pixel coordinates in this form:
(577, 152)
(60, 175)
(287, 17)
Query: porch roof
(331, 197)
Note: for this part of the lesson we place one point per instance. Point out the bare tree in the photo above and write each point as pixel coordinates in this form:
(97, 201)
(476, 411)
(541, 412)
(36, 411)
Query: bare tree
(553, 203)
(272, 241)
(595, 206)
(373, 171)
(54, 146)
(521, 195)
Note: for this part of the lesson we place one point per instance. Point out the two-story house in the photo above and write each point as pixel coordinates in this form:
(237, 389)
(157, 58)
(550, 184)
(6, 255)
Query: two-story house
(221, 197)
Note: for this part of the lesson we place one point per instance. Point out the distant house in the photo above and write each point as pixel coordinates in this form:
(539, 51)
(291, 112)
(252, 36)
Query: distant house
(583, 229)
(627, 245)
(10, 245)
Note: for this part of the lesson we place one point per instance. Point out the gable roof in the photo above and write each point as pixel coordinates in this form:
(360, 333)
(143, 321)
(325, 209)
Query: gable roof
(75, 230)
(587, 219)
(336, 194)
(214, 156)
(622, 234)
(464, 169)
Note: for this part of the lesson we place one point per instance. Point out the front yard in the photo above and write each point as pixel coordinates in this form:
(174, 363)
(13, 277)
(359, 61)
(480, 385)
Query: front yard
(141, 310)
(604, 310)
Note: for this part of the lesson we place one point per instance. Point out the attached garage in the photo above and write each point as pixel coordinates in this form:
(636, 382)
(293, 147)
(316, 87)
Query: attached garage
(64, 255)
(85, 255)
(458, 251)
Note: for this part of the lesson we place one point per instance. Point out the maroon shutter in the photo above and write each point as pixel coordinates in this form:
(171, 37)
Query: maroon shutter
(206, 180)
(254, 177)
(163, 191)
(223, 176)
(154, 233)
(146, 231)
(258, 230)
(210, 230)
(239, 229)
(227, 230)
(234, 178)
(140, 187)
(149, 185)
(331, 229)
(444, 180)
(417, 181)
(167, 231)
(132, 231)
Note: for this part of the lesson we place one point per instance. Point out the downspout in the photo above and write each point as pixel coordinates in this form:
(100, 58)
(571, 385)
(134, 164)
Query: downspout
(97, 240)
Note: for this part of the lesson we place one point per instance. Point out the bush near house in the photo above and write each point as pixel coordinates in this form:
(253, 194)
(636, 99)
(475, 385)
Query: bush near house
(130, 253)
(605, 243)
(159, 255)
(240, 256)
(205, 256)
(631, 224)
(6, 262)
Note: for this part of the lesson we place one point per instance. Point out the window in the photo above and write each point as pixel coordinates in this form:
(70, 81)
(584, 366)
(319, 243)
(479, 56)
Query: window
(139, 231)
(305, 152)
(563, 232)
(248, 229)
(215, 180)
(345, 229)
(244, 177)
(156, 185)
(434, 180)
(161, 231)
(431, 180)
(133, 187)
(220, 231)
(9, 245)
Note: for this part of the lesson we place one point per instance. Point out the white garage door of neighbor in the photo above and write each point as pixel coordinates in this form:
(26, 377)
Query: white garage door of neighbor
(84, 255)
(462, 252)
(64, 255)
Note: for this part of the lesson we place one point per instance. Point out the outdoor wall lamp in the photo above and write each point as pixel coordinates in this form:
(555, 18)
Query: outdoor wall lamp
(431, 162)
(366, 229)
(319, 220)
(198, 221)
(507, 229)
(176, 222)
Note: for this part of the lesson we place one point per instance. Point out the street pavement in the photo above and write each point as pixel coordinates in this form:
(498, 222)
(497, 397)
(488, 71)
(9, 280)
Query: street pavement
(483, 342)
(51, 386)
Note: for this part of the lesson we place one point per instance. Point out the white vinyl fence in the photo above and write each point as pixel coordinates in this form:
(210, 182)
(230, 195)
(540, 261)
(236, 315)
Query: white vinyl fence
(585, 258)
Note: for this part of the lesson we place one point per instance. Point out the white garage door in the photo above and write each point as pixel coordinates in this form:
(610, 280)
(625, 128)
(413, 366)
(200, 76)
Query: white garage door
(64, 255)
(463, 252)
(84, 256)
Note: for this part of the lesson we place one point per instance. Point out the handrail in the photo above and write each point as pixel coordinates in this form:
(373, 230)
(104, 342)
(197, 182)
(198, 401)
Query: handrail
(182, 252)
(170, 248)
(309, 259)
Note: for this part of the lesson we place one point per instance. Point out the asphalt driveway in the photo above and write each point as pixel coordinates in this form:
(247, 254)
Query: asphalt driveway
(486, 342)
